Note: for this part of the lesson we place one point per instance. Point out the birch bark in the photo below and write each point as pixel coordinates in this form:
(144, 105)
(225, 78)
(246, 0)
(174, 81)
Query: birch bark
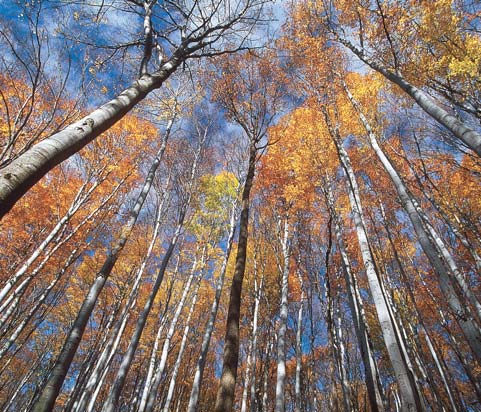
(410, 397)
(49, 394)
(281, 334)
(358, 314)
(176, 368)
(433, 247)
(166, 346)
(470, 137)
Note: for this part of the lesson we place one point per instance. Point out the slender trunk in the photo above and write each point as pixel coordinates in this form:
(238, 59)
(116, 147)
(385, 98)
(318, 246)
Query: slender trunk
(225, 393)
(297, 388)
(335, 344)
(115, 392)
(258, 291)
(166, 346)
(410, 396)
(346, 386)
(199, 372)
(11, 401)
(439, 368)
(12, 301)
(38, 303)
(245, 387)
(281, 334)
(119, 327)
(265, 385)
(155, 348)
(468, 136)
(80, 198)
(49, 394)
(97, 378)
(461, 354)
(148, 37)
(175, 371)
(358, 315)
(412, 302)
(433, 247)
(111, 404)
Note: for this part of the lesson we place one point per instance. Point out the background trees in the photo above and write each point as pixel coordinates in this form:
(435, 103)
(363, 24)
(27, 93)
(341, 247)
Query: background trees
(312, 178)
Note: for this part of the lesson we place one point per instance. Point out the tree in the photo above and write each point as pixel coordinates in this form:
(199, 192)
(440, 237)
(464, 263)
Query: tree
(194, 30)
(52, 387)
(382, 21)
(247, 92)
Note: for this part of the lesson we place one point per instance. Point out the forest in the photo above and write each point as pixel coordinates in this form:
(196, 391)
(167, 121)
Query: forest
(240, 205)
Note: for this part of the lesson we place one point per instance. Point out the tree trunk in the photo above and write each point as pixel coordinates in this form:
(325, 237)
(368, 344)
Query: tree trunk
(150, 372)
(439, 368)
(175, 371)
(38, 303)
(335, 344)
(149, 407)
(258, 293)
(358, 315)
(281, 334)
(26, 170)
(49, 394)
(119, 327)
(251, 350)
(199, 372)
(265, 383)
(468, 136)
(297, 387)
(433, 249)
(225, 393)
(410, 396)
(80, 198)
(111, 404)
(10, 304)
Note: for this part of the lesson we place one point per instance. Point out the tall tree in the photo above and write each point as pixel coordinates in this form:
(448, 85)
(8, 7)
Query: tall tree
(250, 93)
(49, 394)
(192, 30)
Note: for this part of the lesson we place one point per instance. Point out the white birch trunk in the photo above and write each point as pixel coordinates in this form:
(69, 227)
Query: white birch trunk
(26, 170)
(258, 292)
(150, 371)
(112, 345)
(38, 303)
(281, 334)
(10, 304)
(358, 314)
(155, 348)
(78, 201)
(251, 350)
(297, 388)
(246, 378)
(175, 371)
(49, 394)
(410, 398)
(467, 135)
(166, 346)
(434, 248)
(114, 395)
(115, 392)
(440, 369)
(265, 383)
(346, 387)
